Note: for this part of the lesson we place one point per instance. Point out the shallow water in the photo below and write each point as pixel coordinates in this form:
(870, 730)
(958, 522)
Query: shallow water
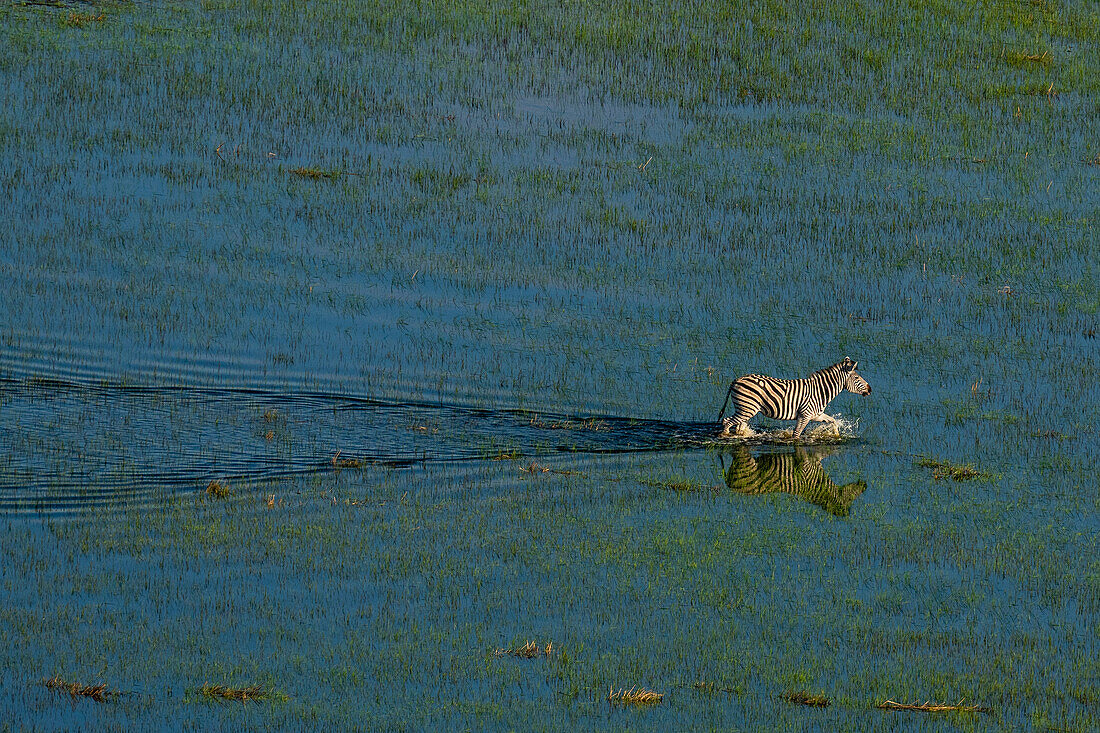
(462, 394)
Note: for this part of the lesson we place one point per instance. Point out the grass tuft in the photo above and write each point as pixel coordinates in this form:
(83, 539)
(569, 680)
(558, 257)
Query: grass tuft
(538, 468)
(79, 20)
(1023, 58)
(530, 650)
(242, 694)
(930, 707)
(635, 696)
(590, 424)
(315, 174)
(338, 462)
(713, 687)
(805, 698)
(680, 485)
(217, 489)
(98, 693)
(956, 472)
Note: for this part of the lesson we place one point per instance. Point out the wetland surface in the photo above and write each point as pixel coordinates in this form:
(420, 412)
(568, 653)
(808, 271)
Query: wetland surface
(344, 353)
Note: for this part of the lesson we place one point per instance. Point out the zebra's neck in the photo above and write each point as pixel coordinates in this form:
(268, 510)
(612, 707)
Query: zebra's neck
(831, 381)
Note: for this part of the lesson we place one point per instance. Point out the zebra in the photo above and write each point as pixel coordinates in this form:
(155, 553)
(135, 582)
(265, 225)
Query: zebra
(799, 473)
(789, 399)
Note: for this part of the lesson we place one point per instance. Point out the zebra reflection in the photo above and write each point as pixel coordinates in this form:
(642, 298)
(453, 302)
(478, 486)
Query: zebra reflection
(798, 472)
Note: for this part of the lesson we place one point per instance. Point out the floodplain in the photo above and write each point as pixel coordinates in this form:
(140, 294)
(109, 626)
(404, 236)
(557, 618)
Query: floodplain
(359, 366)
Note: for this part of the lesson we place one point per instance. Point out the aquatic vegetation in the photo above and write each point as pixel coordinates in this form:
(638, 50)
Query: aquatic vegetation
(99, 692)
(806, 698)
(933, 707)
(314, 173)
(635, 696)
(711, 687)
(529, 650)
(955, 472)
(217, 489)
(247, 693)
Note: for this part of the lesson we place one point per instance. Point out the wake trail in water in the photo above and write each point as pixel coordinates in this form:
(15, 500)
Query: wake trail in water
(67, 445)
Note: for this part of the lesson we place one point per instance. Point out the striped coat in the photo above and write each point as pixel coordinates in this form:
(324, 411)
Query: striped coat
(789, 399)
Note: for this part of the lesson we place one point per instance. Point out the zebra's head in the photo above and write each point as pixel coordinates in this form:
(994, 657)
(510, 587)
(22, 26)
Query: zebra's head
(853, 382)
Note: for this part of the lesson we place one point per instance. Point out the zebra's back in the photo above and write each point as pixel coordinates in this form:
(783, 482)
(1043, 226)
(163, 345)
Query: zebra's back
(776, 398)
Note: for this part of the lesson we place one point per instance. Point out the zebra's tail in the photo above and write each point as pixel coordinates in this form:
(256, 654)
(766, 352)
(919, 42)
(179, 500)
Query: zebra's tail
(722, 412)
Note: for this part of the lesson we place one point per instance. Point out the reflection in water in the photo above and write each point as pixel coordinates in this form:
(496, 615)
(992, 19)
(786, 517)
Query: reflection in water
(797, 472)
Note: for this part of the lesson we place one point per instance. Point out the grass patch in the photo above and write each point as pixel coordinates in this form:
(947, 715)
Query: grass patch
(508, 455)
(635, 696)
(217, 489)
(712, 687)
(99, 693)
(315, 174)
(1053, 434)
(530, 650)
(255, 693)
(537, 468)
(1021, 59)
(956, 472)
(680, 485)
(338, 462)
(590, 424)
(805, 698)
(79, 20)
(930, 707)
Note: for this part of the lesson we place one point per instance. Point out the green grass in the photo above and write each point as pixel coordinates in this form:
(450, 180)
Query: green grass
(955, 472)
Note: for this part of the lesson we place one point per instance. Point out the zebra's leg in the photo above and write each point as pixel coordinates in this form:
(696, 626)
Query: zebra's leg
(744, 431)
(803, 421)
(738, 424)
(832, 421)
(732, 428)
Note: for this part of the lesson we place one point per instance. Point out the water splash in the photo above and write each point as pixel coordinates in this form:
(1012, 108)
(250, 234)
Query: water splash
(843, 431)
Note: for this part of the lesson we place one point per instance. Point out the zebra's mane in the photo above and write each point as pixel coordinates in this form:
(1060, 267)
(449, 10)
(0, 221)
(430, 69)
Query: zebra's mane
(827, 370)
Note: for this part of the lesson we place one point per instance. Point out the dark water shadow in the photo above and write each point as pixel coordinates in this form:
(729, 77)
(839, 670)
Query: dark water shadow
(798, 472)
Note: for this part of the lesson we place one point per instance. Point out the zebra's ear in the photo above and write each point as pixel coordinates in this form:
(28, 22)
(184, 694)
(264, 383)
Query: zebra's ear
(848, 365)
